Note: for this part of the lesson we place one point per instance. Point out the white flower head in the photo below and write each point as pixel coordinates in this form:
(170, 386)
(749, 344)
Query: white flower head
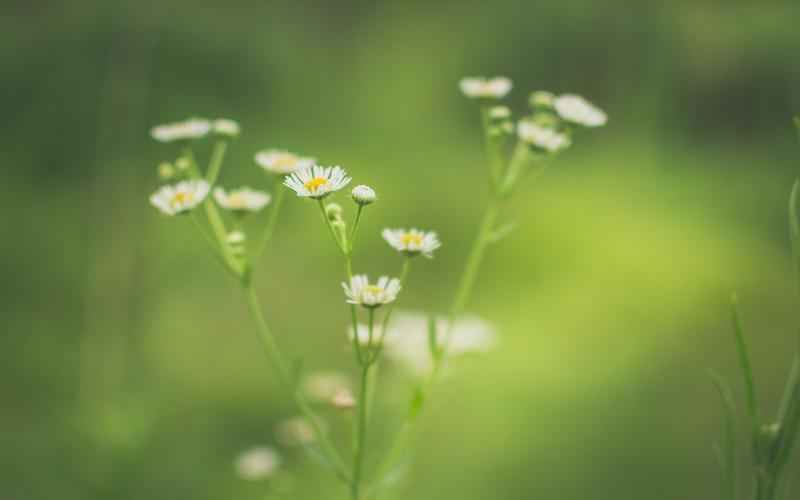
(483, 88)
(323, 386)
(241, 200)
(317, 182)
(545, 138)
(193, 128)
(363, 195)
(412, 241)
(575, 109)
(281, 162)
(181, 197)
(226, 127)
(407, 339)
(258, 463)
(361, 292)
(295, 431)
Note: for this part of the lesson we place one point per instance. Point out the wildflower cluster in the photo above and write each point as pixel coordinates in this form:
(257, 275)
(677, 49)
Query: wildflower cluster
(421, 342)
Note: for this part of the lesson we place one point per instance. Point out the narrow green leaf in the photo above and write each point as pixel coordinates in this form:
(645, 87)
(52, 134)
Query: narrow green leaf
(417, 402)
(726, 452)
(433, 340)
(794, 227)
(789, 416)
(747, 370)
(501, 232)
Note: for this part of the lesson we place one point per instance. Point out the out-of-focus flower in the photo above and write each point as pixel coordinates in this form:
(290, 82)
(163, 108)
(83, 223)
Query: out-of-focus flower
(281, 162)
(323, 386)
(483, 88)
(317, 182)
(545, 138)
(294, 431)
(241, 200)
(407, 339)
(181, 197)
(363, 195)
(361, 292)
(166, 171)
(343, 399)
(193, 128)
(226, 127)
(542, 99)
(258, 463)
(412, 241)
(499, 113)
(575, 109)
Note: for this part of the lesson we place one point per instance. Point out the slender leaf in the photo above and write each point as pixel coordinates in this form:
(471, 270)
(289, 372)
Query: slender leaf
(789, 416)
(747, 370)
(794, 227)
(726, 453)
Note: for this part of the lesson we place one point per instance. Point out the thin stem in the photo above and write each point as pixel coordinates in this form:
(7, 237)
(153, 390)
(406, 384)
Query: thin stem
(361, 421)
(747, 369)
(355, 228)
(284, 376)
(321, 203)
(215, 164)
(212, 243)
(269, 230)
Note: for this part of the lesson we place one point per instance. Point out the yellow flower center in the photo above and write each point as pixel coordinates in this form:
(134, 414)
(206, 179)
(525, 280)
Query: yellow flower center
(409, 239)
(373, 289)
(237, 201)
(181, 197)
(315, 183)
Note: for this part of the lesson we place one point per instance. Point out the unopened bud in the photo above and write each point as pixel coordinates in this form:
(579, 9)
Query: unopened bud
(364, 195)
(166, 171)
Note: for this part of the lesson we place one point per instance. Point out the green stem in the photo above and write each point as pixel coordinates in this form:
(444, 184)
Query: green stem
(272, 221)
(361, 422)
(215, 164)
(330, 227)
(285, 378)
(355, 228)
(747, 369)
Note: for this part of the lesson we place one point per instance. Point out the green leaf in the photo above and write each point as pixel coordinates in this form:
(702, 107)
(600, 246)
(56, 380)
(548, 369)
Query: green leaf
(433, 340)
(417, 402)
(789, 416)
(726, 452)
(747, 370)
(794, 227)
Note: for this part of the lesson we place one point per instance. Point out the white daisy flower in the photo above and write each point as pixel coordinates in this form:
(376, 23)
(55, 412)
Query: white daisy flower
(281, 162)
(323, 386)
(224, 126)
(181, 197)
(407, 341)
(412, 241)
(545, 138)
(193, 128)
(492, 88)
(258, 463)
(241, 200)
(574, 108)
(363, 195)
(317, 182)
(361, 292)
(295, 431)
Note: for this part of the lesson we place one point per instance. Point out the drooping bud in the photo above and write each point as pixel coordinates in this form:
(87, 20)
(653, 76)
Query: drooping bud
(363, 195)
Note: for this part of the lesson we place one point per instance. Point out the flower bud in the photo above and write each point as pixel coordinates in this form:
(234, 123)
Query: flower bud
(363, 195)
(542, 99)
(183, 163)
(499, 113)
(333, 211)
(225, 127)
(166, 171)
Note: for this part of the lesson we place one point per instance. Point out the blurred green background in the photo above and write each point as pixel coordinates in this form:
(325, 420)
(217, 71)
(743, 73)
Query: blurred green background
(129, 366)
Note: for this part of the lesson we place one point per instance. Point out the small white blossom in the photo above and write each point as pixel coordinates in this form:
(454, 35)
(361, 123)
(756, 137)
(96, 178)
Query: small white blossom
(478, 87)
(499, 113)
(294, 431)
(258, 463)
(317, 182)
(407, 340)
(575, 109)
(363, 195)
(181, 197)
(545, 138)
(236, 238)
(193, 128)
(343, 399)
(281, 162)
(241, 200)
(324, 386)
(412, 241)
(226, 127)
(361, 292)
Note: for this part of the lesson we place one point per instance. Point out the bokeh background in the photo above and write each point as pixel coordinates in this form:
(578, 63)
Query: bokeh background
(129, 368)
